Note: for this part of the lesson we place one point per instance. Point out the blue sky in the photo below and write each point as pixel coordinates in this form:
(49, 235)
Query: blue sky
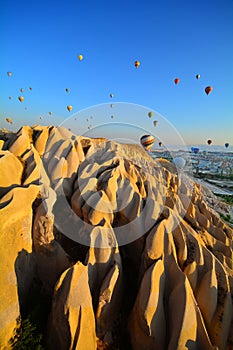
(40, 42)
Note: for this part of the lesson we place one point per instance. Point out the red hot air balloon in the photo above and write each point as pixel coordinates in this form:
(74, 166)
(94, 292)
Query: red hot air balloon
(176, 81)
(208, 89)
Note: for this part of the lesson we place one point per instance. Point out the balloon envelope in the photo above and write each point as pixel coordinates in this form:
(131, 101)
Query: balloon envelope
(160, 144)
(21, 98)
(209, 142)
(179, 162)
(9, 74)
(147, 141)
(150, 114)
(80, 57)
(208, 89)
(8, 120)
(69, 108)
(176, 81)
(111, 95)
(137, 64)
(155, 122)
(198, 76)
(226, 144)
(50, 113)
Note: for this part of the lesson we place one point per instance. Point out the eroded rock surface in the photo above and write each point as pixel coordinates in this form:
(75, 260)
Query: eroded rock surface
(128, 248)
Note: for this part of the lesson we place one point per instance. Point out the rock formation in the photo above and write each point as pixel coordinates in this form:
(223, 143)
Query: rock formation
(128, 248)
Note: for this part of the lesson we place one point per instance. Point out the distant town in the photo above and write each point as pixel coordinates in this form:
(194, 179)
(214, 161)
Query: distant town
(212, 169)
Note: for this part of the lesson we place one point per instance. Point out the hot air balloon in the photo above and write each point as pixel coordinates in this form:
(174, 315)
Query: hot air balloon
(155, 122)
(22, 90)
(10, 97)
(111, 95)
(147, 141)
(50, 113)
(69, 108)
(67, 90)
(137, 64)
(111, 105)
(179, 162)
(30, 88)
(209, 142)
(176, 81)
(150, 114)
(112, 116)
(195, 150)
(160, 144)
(21, 98)
(198, 76)
(9, 74)
(226, 144)
(8, 120)
(80, 57)
(208, 89)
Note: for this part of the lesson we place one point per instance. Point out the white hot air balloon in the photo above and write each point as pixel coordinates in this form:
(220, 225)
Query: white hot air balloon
(179, 162)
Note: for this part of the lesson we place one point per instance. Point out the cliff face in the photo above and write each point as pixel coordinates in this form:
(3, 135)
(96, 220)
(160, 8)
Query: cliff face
(128, 247)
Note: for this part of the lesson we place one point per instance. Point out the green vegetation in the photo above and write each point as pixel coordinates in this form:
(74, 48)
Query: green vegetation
(227, 198)
(227, 218)
(26, 336)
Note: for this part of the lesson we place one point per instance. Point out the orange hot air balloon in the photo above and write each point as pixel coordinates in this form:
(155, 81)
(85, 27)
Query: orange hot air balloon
(176, 81)
(137, 64)
(208, 89)
(69, 108)
(21, 98)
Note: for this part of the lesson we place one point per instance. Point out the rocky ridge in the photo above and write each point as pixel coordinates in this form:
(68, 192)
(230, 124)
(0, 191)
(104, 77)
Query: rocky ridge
(128, 249)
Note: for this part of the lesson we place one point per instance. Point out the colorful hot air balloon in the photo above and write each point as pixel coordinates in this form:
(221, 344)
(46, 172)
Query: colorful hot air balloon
(209, 142)
(176, 80)
(147, 141)
(21, 98)
(198, 76)
(227, 144)
(150, 114)
(69, 108)
(155, 122)
(179, 162)
(9, 74)
(160, 144)
(80, 57)
(137, 64)
(208, 89)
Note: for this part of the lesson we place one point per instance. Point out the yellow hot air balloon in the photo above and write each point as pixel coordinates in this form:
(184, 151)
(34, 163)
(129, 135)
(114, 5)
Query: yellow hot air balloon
(8, 120)
(80, 57)
(150, 114)
(21, 98)
(137, 64)
(69, 108)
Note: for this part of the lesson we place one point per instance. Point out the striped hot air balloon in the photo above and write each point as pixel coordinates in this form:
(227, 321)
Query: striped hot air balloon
(147, 141)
